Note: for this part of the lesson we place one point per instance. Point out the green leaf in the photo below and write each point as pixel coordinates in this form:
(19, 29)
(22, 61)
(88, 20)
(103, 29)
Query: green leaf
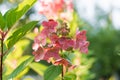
(13, 15)
(70, 77)
(2, 21)
(6, 53)
(69, 56)
(19, 33)
(52, 72)
(73, 24)
(38, 67)
(20, 68)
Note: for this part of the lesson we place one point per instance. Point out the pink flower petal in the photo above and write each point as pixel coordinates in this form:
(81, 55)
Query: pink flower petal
(39, 54)
(35, 46)
(52, 53)
(81, 35)
(50, 24)
(62, 61)
(84, 48)
(81, 42)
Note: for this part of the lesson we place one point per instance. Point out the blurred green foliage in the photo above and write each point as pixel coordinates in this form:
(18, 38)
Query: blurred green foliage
(104, 48)
(105, 45)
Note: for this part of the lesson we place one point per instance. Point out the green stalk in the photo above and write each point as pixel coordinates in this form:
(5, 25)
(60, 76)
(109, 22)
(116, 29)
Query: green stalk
(1, 56)
(62, 73)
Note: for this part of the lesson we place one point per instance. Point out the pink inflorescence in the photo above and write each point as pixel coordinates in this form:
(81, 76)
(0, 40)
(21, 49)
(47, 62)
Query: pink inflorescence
(51, 40)
(56, 8)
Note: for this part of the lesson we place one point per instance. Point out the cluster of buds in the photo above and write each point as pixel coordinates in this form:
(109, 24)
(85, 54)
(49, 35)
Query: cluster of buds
(52, 40)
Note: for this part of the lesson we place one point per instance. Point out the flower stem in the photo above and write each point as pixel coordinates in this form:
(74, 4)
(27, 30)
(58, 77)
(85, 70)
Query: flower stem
(62, 73)
(1, 56)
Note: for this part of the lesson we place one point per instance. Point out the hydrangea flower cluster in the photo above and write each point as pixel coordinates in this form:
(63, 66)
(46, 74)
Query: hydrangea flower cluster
(56, 9)
(52, 40)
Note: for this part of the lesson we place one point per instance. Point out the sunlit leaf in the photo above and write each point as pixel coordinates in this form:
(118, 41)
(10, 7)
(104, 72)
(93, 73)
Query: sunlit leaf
(70, 77)
(23, 72)
(13, 15)
(73, 24)
(20, 68)
(2, 21)
(38, 68)
(19, 33)
(52, 72)
(6, 53)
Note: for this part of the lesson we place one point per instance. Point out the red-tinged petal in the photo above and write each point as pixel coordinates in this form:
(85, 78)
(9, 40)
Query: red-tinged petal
(66, 43)
(44, 33)
(69, 43)
(45, 24)
(62, 40)
(83, 32)
(76, 46)
(49, 27)
(52, 53)
(53, 23)
(39, 54)
(81, 35)
(84, 48)
(53, 37)
(40, 39)
(50, 24)
(79, 44)
(62, 61)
